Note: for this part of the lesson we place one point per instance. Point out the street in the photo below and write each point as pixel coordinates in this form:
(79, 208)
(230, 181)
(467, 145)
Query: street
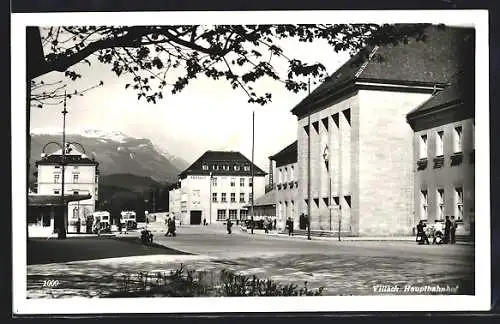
(343, 268)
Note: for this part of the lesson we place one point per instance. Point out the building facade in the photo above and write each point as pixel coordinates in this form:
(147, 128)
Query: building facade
(81, 178)
(264, 207)
(443, 155)
(285, 175)
(216, 187)
(353, 139)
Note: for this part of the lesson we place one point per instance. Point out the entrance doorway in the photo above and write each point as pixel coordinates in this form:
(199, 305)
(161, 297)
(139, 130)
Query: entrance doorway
(195, 217)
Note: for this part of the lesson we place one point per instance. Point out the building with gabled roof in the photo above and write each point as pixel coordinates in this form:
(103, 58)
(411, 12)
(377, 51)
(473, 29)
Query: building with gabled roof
(216, 187)
(81, 183)
(444, 154)
(354, 146)
(286, 183)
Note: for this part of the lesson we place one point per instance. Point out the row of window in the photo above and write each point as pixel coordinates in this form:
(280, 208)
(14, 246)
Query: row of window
(335, 117)
(439, 136)
(441, 203)
(75, 192)
(223, 198)
(233, 182)
(286, 174)
(335, 201)
(76, 177)
(233, 214)
(226, 167)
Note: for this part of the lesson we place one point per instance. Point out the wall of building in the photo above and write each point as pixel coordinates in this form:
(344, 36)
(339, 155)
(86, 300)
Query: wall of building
(286, 184)
(447, 177)
(85, 183)
(384, 158)
(335, 130)
(196, 195)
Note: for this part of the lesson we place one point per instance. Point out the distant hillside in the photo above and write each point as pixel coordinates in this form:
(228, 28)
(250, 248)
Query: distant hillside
(116, 155)
(130, 182)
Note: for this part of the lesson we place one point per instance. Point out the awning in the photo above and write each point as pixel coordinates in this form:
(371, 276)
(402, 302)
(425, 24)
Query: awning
(52, 200)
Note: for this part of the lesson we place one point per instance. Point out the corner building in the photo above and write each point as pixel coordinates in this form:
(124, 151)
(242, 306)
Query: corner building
(353, 137)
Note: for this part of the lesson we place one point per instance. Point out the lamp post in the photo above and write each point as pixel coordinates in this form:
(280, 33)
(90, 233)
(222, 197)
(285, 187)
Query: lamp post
(325, 158)
(210, 197)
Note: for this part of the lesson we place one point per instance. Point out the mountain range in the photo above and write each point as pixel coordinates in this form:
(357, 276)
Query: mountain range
(117, 153)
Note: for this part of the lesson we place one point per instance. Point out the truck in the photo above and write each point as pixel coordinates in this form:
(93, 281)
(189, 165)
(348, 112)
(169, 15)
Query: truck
(128, 219)
(103, 218)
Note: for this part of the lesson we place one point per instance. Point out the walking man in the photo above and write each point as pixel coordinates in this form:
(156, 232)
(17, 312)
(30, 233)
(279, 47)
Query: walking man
(447, 228)
(229, 225)
(421, 235)
(453, 229)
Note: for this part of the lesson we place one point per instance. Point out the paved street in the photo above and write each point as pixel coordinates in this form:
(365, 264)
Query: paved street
(344, 268)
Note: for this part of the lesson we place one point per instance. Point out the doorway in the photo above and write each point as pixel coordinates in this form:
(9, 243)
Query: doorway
(195, 217)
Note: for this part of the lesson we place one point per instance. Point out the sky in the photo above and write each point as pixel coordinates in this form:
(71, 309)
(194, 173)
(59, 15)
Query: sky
(206, 115)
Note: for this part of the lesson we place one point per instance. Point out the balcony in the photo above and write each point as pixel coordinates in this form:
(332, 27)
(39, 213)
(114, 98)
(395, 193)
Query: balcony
(456, 158)
(422, 164)
(438, 162)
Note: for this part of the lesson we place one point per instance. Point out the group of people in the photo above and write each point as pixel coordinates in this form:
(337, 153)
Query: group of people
(170, 226)
(439, 232)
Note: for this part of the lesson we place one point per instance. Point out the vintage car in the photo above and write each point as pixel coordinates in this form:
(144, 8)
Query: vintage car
(104, 220)
(128, 219)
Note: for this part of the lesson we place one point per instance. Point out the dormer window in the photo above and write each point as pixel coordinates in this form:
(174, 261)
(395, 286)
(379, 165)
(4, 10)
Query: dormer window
(246, 168)
(225, 167)
(204, 167)
(236, 168)
(215, 167)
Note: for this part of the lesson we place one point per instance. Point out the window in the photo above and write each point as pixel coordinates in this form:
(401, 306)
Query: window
(291, 173)
(246, 168)
(236, 168)
(233, 197)
(221, 214)
(242, 197)
(250, 197)
(56, 192)
(214, 196)
(56, 178)
(223, 197)
(423, 147)
(242, 182)
(423, 204)
(205, 167)
(214, 182)
(280, 175)
(459, 202)
(233, 214)
(439, 143)
(75, 178)
(75, 192)
(285, 175)
(440, 204)
(57, 167)
(243, 214)
(233, 182)
(225, 167)
(250, 182)
(215, 167)
(457, 139)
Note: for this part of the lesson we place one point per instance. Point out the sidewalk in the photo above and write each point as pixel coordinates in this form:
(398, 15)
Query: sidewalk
(319, 236)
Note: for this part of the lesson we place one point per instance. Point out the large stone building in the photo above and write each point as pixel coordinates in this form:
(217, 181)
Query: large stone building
(285, 182)
(357, 121)
(443, 157)
(216, 187)
(81, 180)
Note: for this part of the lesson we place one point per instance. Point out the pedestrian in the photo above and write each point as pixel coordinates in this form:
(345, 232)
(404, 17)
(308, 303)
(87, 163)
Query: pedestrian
(252, 224)
(266, 224)
(447, 227)
(204, 222)
(289, 225)
(274, 224)
(169, 226)
(120, 226)
(453, 230)
(421, 235)
(229, 224)
(173, 226)
(78, 223)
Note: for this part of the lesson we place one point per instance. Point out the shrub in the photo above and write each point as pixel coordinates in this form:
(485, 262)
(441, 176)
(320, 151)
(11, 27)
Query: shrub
(187, 283)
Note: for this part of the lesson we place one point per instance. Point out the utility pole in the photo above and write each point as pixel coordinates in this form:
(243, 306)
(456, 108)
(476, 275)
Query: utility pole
(253, 151)
(309, 202)
(63, 227)
(210, 183)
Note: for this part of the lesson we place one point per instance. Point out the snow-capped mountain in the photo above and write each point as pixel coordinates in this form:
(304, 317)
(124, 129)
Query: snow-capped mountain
(115, 151)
